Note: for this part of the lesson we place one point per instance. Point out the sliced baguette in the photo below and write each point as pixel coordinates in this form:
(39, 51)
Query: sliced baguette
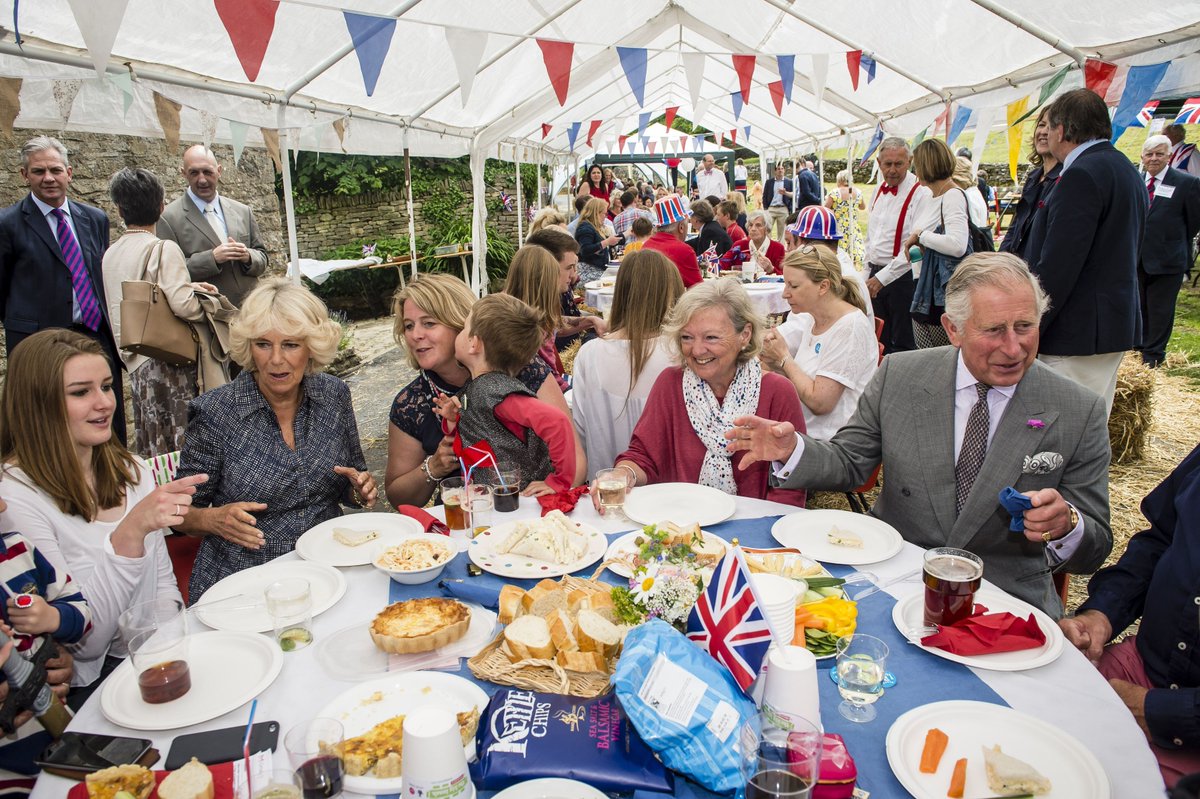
(192, 781)
(581, 661)
(529, 637)
(577, 600)
(601, 602)
(596, 633)
(539, 601)
(561, 632)
(511, 603)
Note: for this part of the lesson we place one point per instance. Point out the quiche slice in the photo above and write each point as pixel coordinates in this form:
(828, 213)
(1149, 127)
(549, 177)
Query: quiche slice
(420, 625)
(380, 748)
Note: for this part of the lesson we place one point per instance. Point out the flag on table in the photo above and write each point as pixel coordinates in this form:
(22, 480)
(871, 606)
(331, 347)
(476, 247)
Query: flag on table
(1190, 113)
(728, 623)
(1145, 115)
(478, 454)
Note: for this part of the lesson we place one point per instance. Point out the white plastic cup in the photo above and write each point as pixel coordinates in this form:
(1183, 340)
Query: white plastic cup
(433, 762)
(790, 691)
(778, 596)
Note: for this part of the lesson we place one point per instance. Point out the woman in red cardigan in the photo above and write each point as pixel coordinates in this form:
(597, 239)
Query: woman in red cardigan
(716, 335)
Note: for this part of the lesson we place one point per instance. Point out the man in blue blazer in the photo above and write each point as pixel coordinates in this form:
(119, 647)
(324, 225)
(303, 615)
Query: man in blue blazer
(1083, 246)
(1171, 225)
(50, 258)
(777, 201)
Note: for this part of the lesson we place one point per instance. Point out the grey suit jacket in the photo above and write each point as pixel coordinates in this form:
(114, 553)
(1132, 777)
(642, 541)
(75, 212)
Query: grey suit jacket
(906, 417)
(182, 223)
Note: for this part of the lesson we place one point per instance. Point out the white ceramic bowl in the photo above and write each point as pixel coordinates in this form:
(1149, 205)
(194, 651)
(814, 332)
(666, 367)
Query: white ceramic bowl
(416, 576)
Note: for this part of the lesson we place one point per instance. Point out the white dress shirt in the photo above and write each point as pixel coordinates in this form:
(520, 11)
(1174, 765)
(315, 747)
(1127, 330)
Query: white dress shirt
(881, 227)
(711, 183)
(203, 207)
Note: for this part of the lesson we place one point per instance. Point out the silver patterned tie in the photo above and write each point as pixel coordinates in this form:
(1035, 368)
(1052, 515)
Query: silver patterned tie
(974, 448)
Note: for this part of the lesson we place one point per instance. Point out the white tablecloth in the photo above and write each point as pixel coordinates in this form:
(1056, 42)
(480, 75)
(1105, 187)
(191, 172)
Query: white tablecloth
(767, 298)
(1068, 693)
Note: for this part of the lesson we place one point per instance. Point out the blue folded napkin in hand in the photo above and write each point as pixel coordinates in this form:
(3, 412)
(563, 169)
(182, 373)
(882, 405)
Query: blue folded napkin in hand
(480, 594)
(1016, 504)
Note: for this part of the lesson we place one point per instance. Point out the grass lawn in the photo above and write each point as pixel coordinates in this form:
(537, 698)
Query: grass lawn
(1185, 337)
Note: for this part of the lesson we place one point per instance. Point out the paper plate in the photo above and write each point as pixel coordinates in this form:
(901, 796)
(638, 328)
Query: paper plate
(370, 703)
(319, 545)
(909, 613)
(682, 503)
(627, 545)
(248, 611)
(216, 687)
(1073, 771)
(482, 552)
(807, 531)
(550, 788)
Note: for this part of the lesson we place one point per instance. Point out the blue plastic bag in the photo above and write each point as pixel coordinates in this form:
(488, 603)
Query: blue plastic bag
(686, 706)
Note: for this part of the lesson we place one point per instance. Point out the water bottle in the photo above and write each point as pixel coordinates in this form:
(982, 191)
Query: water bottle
(915, 255)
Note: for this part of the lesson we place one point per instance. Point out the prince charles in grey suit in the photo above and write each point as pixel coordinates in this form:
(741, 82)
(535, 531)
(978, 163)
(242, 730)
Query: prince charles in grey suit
(955, 425)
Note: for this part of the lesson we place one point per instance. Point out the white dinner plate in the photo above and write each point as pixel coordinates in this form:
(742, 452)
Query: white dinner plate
(909, 614)
(626, 546)
(763, 287)
(319, 545)
(362, 707)
(216, 687)
(248, 611)
(806, 530)
(550, 788)
(1073, 771)
(682, 503)
(482, 552)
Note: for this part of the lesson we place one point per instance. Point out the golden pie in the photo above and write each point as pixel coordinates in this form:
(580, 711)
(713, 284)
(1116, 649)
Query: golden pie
(420, 625)
(380, 747)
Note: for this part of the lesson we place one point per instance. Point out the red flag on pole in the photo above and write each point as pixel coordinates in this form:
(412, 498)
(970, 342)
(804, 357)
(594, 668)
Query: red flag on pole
(852, 61)
(776, 87)
(557, 57)
(595, 126)
(546, 130)
(671, 111)
(1098, 76)
(249, 24)
(744, 66)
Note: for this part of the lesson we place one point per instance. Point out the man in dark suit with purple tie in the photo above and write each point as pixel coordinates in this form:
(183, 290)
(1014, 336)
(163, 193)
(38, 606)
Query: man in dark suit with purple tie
(50, 255)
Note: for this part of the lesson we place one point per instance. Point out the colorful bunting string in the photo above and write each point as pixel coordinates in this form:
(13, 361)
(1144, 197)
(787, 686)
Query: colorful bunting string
(643, 121)
(592, 128)
(467, 47)
(633, 61)
(572, 134)
(743, 65)
(876, 139)
(672, 110)
(546, 130)
(962, 115)
(746, 130)
(557, 58)
(372, 38)
(98, 22)
(853, 59)
(249, 24)
(777, 95)
(1098, 76)
(1015, 112)
(1140, 84)
(787, 74)
(736, 99)
(868, 63)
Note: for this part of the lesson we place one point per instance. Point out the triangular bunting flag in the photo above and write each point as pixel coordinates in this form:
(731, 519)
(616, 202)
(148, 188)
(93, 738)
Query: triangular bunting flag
(466, 46)
(985, 120)
(746, 130)
(237, 133)
(270, 138)
(787, 74)
(372, 38)
(941, 119)
(920, 137)
(853, 58)
(633, 61)
(719, 138)
(632, 145)
(557, 57)
(339, 130)
(743, 65)
(621, 142)
(693, 69)
(98, 22)
(672, 110)
(701, 112)
(249, 24)
(1051, 86)
(10, 103)
(1015, 111)
(64, 92)
(1189, 114)
(733, 135)
(1140, 84)
(208, 128)
(592, 128)
(876, 138)
(1098, 76)
(643, 121)
(651, 146)
(572, 133)
(1145, 115)
(736, 99)
(777, 95)
(168, 118)
(546, 130)
(645, 140)
(962, 115)
(820, 72)
(868, 63)
(124, 82)
(662, 140)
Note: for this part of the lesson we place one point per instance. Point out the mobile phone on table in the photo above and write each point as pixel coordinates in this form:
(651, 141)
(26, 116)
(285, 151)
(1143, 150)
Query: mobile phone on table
(78, 754)
(221, 746)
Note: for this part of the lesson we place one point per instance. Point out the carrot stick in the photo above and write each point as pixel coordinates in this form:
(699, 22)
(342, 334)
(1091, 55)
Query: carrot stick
(935, 747)
(958, 780)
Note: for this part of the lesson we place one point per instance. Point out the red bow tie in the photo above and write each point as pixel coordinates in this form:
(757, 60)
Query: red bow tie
(886, 189)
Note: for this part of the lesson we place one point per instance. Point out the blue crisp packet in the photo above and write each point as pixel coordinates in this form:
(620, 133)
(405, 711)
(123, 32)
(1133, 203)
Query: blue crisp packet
(525, 735)
(686, 706)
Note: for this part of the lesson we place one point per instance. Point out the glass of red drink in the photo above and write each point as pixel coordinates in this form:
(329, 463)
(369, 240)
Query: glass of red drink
(156, 635)
(314, 749)
(951, 576)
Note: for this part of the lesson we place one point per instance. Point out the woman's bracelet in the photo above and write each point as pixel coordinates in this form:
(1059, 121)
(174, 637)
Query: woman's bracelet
(629, 469)
(783, 362)
(429, 478)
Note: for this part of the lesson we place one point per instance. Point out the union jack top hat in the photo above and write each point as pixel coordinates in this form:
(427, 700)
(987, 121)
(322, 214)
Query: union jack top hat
(670, 210)
(815, 222)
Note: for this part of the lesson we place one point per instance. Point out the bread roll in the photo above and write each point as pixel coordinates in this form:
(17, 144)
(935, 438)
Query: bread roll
(192, 781)
(561, 632)
(529, 637)
(510, 603)
(596, 633)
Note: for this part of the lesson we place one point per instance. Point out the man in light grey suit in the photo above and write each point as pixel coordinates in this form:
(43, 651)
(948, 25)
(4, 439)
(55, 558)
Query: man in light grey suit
(218, 235)
(929, 414)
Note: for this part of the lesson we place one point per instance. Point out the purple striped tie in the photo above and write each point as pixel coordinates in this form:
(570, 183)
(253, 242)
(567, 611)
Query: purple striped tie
(89, 305)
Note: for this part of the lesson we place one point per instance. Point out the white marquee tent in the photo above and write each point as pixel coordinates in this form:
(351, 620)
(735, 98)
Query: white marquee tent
(468, 77)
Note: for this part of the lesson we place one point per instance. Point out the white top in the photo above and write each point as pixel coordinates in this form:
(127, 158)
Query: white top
(740, 172)
(951, 208)
(711, 183)
(847, 352)
(881, 227)
(111, 583)
(977, 207)
(605, 409)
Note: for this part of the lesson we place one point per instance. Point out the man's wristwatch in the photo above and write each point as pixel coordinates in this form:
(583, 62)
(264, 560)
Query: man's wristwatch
(1074, 516)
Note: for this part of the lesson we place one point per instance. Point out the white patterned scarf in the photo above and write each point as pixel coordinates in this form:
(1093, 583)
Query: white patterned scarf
(710, 419)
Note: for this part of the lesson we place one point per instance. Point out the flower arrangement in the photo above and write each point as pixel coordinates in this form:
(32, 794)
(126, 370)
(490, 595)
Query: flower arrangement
(665, 584)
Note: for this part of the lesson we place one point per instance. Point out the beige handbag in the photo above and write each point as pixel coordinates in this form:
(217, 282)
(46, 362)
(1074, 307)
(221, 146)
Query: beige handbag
(148, 325)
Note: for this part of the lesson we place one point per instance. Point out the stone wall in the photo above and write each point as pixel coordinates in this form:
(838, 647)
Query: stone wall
(95, 157)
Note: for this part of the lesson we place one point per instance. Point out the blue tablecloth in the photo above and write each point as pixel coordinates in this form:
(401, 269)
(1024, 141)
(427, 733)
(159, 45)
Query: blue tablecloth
(921, 677)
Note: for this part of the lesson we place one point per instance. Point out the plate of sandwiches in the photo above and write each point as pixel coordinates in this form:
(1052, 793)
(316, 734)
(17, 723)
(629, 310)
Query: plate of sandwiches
(372, 714)
(354, 539)
(707, 549)
(550, 546)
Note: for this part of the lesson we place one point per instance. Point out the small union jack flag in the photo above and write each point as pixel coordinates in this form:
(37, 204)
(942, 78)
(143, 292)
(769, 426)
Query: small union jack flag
(728, 623)
(1145, 115)
(1189, 114)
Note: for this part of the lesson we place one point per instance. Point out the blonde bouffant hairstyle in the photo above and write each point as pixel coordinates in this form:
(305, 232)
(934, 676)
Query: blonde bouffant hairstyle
(727, 294)
(279, 305)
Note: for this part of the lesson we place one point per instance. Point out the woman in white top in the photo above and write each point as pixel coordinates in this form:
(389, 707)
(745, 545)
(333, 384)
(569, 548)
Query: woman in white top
(613, 375)
(77, 494)
(964, 178)
(827, 347)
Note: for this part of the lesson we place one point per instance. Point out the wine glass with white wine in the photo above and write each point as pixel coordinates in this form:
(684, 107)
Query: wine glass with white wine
(861, 662)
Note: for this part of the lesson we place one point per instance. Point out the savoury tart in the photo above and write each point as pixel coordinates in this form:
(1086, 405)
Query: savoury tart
(420, 625)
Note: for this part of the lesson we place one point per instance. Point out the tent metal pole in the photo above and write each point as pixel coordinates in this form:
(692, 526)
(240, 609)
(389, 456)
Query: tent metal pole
(541, 163)
(408, 209)
(289, 206)
(1033, 30)
(478, 281)
(520, 199)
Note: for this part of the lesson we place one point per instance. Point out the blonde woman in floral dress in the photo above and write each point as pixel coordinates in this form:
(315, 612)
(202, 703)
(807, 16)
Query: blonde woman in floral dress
(845, 202)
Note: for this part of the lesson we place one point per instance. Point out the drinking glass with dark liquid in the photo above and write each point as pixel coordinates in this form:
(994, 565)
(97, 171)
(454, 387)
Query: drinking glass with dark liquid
(156, 635)
(951, 577)
(321, 777)
(313, 750)
(786, 763)
(163, 682)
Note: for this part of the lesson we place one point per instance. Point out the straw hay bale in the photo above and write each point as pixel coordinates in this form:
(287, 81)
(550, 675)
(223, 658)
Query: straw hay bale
(1132, 410)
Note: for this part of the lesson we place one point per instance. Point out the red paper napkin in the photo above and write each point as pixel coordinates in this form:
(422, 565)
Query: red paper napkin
(428, 523)
(564, 501)
(984, 633)
(222, 783)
